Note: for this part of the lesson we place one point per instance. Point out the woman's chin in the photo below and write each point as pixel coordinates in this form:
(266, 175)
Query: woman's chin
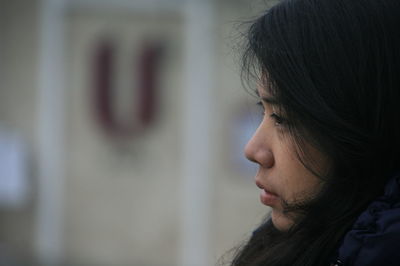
(280, 221)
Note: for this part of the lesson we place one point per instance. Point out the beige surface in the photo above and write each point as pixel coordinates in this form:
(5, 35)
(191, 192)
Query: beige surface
(122, 198)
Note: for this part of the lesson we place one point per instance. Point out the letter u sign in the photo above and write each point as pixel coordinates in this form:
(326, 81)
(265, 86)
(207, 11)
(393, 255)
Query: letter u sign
(142, 82)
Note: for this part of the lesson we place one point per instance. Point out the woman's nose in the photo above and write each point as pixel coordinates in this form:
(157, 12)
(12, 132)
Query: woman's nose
(258, 151)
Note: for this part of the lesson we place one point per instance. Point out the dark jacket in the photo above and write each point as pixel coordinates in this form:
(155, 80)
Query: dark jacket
(374, 239)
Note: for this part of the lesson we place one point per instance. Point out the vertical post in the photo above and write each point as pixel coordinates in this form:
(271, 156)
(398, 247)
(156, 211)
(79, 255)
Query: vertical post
(197, 149)
(51, 120)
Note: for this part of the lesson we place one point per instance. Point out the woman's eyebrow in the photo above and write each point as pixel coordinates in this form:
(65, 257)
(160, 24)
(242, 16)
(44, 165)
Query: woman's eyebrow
(269, 100)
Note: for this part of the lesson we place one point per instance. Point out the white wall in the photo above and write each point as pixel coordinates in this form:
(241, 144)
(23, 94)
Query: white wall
(123, 195)
(123, 198)
(18, 92)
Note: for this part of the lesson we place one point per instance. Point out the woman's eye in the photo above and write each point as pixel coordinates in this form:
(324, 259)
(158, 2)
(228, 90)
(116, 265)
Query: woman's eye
(278, 120)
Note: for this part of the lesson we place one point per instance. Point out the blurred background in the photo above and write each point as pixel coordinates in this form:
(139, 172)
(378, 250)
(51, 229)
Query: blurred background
(122, 127)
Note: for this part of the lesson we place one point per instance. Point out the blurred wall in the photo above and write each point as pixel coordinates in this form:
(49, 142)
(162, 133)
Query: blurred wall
(18, 92)
(123, 193)
(18, 50)
(122, 196)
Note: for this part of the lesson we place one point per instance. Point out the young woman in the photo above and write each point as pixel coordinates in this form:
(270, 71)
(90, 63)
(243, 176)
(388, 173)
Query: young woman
(328, 147)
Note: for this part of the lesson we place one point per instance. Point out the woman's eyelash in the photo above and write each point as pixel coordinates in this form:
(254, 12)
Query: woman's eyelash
(278, 119)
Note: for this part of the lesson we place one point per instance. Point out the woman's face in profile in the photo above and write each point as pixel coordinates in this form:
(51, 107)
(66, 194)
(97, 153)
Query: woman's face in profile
(281, 176)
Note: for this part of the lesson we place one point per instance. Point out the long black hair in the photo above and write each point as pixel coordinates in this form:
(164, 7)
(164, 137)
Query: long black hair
(334, 66)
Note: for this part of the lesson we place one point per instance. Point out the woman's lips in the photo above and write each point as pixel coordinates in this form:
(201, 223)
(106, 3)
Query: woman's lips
(267, 197)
